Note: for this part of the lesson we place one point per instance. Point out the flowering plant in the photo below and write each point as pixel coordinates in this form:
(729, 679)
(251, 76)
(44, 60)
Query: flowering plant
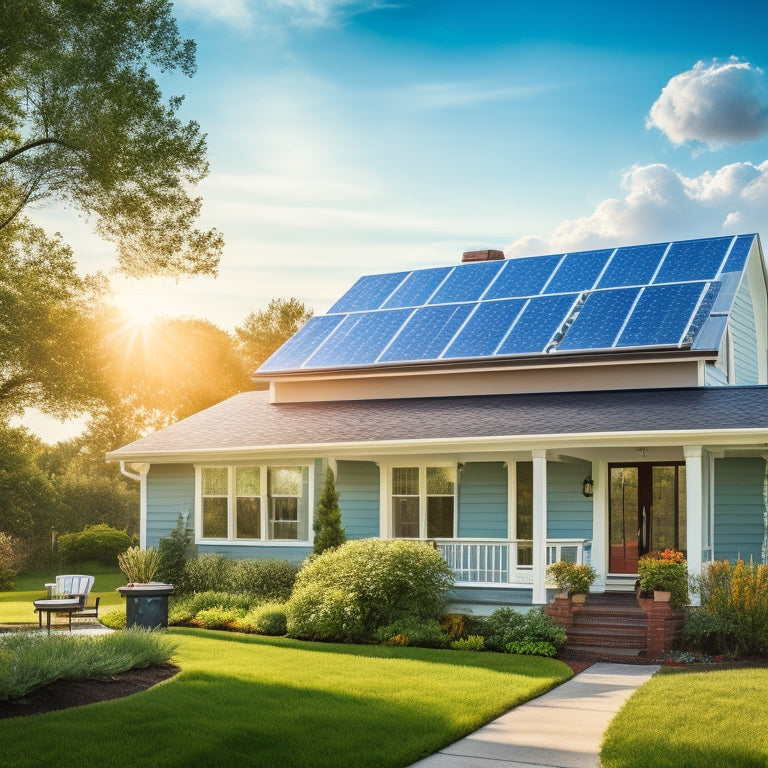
(665, 571)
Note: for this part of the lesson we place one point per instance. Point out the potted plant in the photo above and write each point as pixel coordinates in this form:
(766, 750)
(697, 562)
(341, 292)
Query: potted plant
(146, 600)
(664, 574)
(572, 579)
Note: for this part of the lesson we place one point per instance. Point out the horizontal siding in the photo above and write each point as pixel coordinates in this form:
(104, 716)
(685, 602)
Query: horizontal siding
(490, 597)
(358, 487)
(569, 512)
(739, 508)
(483, 500)
(714, 376)
(239, 552)
(742, 324)
(170, 493)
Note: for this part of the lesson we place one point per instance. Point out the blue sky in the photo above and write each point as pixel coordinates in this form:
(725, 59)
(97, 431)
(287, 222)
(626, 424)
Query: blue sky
(355, 137)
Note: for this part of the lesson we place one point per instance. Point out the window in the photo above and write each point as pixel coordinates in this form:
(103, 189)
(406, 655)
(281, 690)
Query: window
(254, 503)
(524, 511)
(423, 502)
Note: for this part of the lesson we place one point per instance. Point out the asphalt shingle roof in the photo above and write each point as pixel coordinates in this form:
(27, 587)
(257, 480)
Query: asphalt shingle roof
(248, 420)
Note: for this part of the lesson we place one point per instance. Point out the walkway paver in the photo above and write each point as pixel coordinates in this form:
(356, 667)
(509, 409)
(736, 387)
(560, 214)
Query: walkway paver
(561, 729)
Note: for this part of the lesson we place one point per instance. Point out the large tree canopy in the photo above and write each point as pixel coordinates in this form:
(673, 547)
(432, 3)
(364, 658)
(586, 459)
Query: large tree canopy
(83, 121)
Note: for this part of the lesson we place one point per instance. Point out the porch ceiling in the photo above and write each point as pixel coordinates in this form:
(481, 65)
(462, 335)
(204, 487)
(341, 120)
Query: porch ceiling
(727, 417)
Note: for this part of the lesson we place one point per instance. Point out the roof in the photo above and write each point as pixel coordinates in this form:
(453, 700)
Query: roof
(248, 421)
(662, 297)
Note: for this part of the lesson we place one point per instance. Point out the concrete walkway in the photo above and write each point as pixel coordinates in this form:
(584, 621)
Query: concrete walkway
(561, 729)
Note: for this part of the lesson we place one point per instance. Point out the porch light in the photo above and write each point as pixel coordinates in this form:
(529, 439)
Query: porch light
(587, 487)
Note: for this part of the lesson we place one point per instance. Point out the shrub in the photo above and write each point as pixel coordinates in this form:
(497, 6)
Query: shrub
(265, 619)
(500, 628)
(208, 573)
(114, 619)
(453, 626)
(139, 566)
(665, 571)
(734, 603)
(409, 631)
(571, 577)
(100, 543)
(218, 617)
(350, 591)
(329, 532)
(532, 648)
(265, 578)
(183, 610)
(471, 643)
(505, 626)
(9, 562)
(174, 551)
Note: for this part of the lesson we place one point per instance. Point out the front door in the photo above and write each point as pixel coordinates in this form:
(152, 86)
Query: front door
(647, 511)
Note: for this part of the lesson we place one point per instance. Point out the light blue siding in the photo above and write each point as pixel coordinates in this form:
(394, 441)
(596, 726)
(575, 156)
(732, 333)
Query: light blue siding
(358, 487)
(742, 324)
(240, 552)
(714, 376)
(483, 501)
(484, 600)
(170, 493)
(569, 512)
(739, 508)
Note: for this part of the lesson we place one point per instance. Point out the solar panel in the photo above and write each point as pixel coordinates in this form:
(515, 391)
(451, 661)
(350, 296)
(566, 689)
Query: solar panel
(539, 322)
(578, 271)
(693, 260)
(302, 344)
(739, 252)
(467, 282)
(485, 329)
(661, 315)
(359, 339)
(600, 319)
(416, 289)
(522, 277)
(369, 292)
(632, 266)
(427, 333)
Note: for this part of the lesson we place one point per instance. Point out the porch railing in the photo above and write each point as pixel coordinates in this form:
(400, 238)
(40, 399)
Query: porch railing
(505, 561)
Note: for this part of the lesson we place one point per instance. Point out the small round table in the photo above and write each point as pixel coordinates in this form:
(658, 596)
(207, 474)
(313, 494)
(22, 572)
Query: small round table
(66, 605)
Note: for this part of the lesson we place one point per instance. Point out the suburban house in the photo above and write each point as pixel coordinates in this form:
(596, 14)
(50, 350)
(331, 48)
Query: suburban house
(589, 406)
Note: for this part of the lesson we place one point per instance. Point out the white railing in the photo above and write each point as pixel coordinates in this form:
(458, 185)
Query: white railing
(505, 561)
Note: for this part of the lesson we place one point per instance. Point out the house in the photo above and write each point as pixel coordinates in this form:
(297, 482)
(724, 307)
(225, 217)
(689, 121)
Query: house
(589, 406)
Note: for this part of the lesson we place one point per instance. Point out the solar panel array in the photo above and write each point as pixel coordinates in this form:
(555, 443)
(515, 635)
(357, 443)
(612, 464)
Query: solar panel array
(649, 296)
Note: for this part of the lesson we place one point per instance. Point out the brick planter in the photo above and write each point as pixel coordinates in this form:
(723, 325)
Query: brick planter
(664, 627)
(562, 610)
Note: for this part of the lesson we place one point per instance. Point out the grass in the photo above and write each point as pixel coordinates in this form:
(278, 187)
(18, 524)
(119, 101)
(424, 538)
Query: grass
(246, 700)
(692, 719)
(16, 607)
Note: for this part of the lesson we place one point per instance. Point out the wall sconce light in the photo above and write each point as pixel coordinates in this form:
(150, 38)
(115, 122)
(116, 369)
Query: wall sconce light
(587, 487)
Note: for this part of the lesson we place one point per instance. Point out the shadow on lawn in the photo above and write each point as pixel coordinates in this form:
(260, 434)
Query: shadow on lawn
(530, 666)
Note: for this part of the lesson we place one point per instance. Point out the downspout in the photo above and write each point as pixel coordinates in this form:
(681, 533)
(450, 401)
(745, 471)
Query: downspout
(141, 477)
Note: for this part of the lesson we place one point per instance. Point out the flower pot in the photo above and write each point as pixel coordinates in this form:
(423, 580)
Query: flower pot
(661, 596)
(146, 605)
(579, 598)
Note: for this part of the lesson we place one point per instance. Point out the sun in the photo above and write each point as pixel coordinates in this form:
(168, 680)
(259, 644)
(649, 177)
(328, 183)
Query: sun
(141, 304)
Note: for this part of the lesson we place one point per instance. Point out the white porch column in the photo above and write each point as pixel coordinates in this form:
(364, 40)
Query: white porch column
(693, 509)
(539, 527)
(600, 523)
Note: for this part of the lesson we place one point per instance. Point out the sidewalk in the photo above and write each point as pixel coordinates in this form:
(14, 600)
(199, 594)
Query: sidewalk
(561, 729)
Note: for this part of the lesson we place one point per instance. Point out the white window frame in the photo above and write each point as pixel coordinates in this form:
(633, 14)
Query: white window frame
(387, 486)
(264, 468)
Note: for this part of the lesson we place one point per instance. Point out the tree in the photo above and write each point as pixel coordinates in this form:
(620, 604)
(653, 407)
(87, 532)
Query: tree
(83, 121)
(262, 332)
(49, 341)
(327, 526)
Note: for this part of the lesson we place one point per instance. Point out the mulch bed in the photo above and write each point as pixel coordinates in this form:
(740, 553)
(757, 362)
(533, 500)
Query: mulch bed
(64, 694)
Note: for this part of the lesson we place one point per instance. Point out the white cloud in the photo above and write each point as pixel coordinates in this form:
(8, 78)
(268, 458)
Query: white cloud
(662, 204)
(713, 103)
(463, 94)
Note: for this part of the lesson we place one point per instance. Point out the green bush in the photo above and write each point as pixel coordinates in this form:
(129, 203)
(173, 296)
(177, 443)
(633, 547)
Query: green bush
(665, 571)
(114, 619)
(532, 648)
(30, 661)
(505, 626)
(349, 592)
(9, 561)
(500, 628)
(410, 631)
(208, 573)
(218, 617)
(265, 578)
(100, 543)
(174, 550)
(329, 532)
(183, 609)
(265, 619)
(571, 577)
(470, 643)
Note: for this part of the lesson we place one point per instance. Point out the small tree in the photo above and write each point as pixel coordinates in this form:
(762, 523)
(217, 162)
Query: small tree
(329, 532)
(174, 551)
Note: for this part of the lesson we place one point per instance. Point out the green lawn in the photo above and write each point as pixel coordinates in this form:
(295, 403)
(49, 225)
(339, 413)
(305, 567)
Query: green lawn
(16, 607)
(691, 720)
(247, 700)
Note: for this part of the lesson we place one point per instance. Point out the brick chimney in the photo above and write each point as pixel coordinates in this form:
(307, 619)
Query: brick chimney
(487, 255)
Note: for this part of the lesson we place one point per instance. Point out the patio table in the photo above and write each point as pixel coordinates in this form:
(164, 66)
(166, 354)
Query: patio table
(60, 605)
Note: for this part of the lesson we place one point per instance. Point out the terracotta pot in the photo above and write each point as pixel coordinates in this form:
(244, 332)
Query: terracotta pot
(660, 596)
(579, 597)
